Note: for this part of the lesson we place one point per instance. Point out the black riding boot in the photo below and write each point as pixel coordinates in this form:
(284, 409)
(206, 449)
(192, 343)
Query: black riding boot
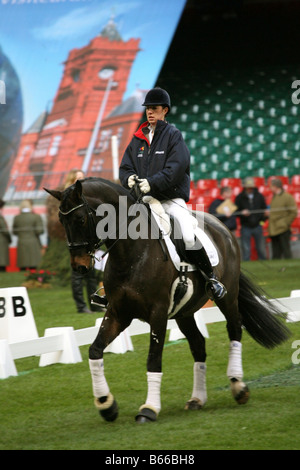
(214, 288)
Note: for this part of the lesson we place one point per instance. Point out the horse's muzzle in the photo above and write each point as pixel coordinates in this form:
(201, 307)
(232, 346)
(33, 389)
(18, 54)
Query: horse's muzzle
(81, 264)
(81, 269)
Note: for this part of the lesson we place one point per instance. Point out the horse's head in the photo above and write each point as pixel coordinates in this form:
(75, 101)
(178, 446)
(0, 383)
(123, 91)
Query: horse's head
(77, 217)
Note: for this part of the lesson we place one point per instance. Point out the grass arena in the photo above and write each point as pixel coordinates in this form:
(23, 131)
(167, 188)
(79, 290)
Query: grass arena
(51, 408)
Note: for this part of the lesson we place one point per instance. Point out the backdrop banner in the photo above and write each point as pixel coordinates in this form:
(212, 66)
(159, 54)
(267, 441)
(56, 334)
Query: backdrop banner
(73, 74)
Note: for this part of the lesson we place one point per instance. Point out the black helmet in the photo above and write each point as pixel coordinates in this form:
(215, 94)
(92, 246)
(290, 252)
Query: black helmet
(157, 96)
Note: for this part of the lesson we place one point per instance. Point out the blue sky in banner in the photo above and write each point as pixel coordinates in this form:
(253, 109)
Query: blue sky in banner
(37, 36)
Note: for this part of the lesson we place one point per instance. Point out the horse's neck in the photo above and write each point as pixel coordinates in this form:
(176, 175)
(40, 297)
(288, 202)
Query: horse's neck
(122, 245)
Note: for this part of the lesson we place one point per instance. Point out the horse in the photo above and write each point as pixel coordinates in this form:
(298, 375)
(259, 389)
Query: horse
(139, 280)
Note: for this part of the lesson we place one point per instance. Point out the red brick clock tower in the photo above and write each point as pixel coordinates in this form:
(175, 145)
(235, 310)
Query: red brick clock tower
(94, 81)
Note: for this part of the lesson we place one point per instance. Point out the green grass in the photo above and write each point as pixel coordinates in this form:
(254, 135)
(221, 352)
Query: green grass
(52, 407)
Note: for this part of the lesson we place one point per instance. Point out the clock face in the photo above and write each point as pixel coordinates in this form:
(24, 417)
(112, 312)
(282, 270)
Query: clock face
(106, 73)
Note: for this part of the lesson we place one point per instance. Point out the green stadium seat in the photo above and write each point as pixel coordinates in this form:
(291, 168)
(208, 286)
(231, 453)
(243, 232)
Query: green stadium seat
(240, 157)
(240, 173)
(247, 125)
(296, 163)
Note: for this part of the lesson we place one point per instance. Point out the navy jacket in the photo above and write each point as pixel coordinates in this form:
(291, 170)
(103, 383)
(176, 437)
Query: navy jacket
(165, 163)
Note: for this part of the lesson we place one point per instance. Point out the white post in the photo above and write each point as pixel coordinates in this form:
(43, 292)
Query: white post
(88, 155)
(7, 365)
(115, 156)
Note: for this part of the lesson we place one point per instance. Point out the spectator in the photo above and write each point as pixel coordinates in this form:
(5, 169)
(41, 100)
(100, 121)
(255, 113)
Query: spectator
(251, 208)
(5, 240)
(283, 210)
(223, 208)
(28, 227)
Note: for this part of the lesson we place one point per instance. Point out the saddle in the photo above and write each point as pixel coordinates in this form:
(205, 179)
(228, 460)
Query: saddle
(182, 288)
(169, 226)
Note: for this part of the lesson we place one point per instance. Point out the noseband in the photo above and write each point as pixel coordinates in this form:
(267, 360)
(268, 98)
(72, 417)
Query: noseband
(90, 246)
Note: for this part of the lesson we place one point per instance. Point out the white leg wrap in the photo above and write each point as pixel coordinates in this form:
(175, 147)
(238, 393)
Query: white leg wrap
(153, 396)
(199, 385)
(100, 387)
(235, 368)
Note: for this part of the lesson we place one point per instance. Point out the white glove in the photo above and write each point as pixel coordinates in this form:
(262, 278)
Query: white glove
(144, 186)
(131, 181)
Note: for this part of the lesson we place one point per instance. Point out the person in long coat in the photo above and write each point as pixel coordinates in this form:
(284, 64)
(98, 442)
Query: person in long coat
(5, 240)
(28, 226)
(283, 211)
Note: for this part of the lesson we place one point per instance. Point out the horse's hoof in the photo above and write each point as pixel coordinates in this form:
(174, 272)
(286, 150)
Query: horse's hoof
(193, 404)
(240, 392)
(111, 413)
(145, 415)
(243, 396)
(107, 407)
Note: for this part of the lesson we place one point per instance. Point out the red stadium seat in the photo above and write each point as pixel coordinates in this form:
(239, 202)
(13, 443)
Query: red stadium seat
(236, 190)
(295, 181)
(296, 196)
(214, 193)
(296, 225)
(232, 182)
(207, 184)
(193, 194)
(259, 180)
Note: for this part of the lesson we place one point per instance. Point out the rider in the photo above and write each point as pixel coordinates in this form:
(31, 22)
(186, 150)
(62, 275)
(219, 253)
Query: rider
(159, 160)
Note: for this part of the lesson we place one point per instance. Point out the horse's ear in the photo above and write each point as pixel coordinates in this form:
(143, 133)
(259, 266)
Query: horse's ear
(78, 187)
(56, 194)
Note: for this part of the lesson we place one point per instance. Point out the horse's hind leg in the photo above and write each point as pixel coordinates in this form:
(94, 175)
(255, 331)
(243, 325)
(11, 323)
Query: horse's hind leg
(196, 341)
(239, 389)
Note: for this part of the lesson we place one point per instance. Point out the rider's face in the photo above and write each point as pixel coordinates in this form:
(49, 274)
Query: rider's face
(155, 113)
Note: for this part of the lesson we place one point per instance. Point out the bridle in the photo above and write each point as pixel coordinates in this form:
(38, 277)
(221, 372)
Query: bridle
(92, 246)
(95, 243)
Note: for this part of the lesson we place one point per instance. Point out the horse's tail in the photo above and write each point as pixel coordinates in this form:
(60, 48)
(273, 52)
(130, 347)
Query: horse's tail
(260, 317)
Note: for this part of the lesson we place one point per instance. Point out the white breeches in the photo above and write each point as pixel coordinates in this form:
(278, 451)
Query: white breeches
(178, 209)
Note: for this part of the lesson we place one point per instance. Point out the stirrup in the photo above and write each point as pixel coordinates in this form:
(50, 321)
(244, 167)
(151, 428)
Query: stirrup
(99, 300)
(215, 290)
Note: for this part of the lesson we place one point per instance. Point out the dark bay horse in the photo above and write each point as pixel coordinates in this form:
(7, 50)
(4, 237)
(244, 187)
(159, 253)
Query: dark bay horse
(138, 280)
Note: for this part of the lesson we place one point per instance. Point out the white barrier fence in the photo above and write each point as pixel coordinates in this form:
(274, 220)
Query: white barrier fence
(61, 345)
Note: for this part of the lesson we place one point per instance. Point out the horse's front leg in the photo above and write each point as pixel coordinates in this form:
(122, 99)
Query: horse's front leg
(150, 410)
(239, 389)
(104, 401)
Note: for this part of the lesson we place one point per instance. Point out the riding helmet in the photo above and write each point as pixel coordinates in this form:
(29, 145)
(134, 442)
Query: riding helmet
(157, 96)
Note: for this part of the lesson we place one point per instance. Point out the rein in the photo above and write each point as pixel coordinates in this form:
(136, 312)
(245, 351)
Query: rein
(93, 247)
